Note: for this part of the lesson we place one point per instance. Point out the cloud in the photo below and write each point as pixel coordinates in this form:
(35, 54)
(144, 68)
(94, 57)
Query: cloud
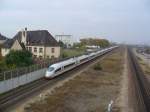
(118, 20)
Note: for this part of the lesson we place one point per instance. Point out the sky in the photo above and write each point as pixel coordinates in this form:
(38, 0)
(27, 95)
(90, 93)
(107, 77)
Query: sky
(125, 21)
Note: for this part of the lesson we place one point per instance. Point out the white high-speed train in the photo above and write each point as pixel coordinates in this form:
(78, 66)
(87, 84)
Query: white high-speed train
(61, 67)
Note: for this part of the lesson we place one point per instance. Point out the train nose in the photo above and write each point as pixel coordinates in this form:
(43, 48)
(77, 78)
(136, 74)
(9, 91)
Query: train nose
(48, 74)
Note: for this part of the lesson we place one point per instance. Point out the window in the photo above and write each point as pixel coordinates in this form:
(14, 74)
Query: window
(69, 65)
(47, 57)
(53, 50)
(35, 49)
(35, 56)
(40, 50)
(52, 57)
(59, 69)
(50, 69)
(30, 49)
(40, 57)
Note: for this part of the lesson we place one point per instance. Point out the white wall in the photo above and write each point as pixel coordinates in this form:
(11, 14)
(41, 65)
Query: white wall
(5, 51)
(47, 51)
(66, 39)
(56, 53)
(16, 46)
(37, 53)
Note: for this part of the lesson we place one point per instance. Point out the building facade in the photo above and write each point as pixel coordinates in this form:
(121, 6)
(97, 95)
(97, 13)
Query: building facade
(66, 39)
(40, 43)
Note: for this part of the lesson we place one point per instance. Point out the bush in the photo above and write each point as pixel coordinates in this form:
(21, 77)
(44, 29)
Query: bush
(3, 66)
(64, 55)
(18, 59)
(97, 66)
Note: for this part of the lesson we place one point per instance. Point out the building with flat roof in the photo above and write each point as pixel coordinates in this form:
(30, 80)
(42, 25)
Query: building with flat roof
(66, 39)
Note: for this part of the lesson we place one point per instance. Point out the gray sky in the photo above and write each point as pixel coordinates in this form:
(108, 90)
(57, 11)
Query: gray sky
(116, 20)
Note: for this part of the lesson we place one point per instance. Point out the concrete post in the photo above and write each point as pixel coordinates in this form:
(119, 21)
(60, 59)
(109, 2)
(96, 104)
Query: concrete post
(110, 106)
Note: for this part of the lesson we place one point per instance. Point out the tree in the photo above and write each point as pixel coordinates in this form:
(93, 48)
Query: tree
(80, 46)
(18, 59)
(104, 43)
(62, 44)
(97, 42)
(0, 52)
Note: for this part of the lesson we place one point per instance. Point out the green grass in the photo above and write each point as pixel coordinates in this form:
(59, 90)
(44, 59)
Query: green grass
(97, 66)
(110, 64)
(71, 52)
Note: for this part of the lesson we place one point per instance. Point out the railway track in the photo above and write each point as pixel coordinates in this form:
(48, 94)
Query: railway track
(140, 84)
(12, 97)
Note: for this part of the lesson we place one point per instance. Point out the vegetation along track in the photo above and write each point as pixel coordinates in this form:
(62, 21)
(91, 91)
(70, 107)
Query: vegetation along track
(140, 84)
(12, 97)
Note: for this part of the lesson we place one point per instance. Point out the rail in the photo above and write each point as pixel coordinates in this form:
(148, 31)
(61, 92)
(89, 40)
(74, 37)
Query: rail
(141, 84)
(14, 96)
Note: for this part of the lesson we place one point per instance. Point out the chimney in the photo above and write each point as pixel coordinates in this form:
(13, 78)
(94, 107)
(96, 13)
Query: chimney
(26, 33)
(24, 36)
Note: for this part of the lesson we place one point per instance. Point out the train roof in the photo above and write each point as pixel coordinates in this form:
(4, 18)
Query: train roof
(82, 57)
(59, 64)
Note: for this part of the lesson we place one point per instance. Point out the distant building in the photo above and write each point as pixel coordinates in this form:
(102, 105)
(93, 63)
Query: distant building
(2, 39)
(40, 43)
(66, 39)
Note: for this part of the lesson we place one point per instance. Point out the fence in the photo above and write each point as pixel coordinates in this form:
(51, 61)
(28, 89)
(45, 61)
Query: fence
(14, 82)
(25, 70)
(17, 77)
(21, 71)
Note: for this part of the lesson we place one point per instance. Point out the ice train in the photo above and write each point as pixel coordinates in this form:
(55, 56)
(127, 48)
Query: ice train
(63, 66)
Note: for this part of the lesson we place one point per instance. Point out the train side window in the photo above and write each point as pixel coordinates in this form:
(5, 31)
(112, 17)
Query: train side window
(69, 65)
(58, 70)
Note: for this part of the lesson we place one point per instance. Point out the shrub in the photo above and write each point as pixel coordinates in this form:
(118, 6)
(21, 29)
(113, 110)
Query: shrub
(64, 55)
(18, 59)
(3, 66)
(97, 66)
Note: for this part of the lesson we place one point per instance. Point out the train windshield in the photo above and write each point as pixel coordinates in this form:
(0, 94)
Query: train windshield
(50, 68)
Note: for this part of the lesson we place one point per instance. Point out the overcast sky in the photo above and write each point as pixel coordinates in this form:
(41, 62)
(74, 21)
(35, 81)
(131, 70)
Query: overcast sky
(116, 20)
